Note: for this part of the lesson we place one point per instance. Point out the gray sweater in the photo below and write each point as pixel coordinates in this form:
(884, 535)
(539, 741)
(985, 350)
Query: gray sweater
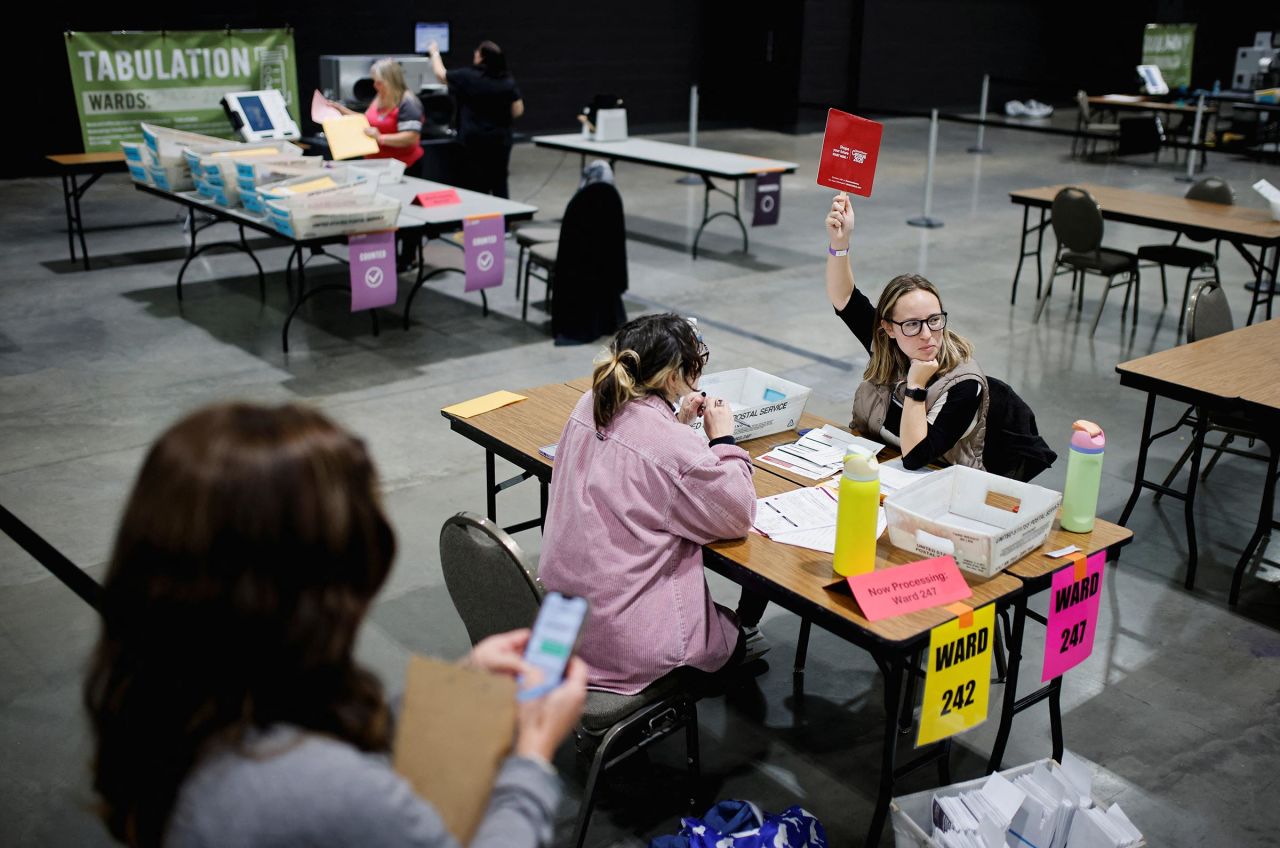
(294, 788)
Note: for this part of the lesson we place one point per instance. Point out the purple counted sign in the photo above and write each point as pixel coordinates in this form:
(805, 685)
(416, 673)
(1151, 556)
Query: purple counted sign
(768, 200)
(373, 269)
(483, 239)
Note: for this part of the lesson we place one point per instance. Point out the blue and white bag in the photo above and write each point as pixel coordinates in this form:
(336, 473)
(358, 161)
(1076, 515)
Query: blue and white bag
(741, 824)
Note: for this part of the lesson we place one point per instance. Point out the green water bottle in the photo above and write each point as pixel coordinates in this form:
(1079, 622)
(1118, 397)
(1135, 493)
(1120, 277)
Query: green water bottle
(856, 515)
(1084, 477)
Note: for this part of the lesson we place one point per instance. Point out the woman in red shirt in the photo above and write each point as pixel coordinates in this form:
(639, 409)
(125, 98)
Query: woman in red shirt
(395, 116)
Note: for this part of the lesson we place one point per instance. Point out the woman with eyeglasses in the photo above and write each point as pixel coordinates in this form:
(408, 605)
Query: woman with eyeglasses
(636, 494)
(922, 391)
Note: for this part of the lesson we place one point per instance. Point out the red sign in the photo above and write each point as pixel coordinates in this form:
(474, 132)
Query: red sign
(908, 588)
(446, 197)
(849, 150)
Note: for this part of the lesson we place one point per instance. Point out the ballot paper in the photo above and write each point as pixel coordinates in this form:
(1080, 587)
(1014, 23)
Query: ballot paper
(819, 453)
(805, 518)
(893, 476)
(983, 815)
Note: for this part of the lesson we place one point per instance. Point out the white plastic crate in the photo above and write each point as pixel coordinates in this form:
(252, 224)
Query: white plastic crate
(339, 217)
(762, 403)
(912, 815)
(948, 512)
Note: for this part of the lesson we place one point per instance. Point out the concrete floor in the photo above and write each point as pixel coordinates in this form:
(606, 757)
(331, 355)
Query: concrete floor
(1178, 709)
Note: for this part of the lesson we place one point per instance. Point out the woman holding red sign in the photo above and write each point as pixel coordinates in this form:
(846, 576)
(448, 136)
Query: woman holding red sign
(922, 391)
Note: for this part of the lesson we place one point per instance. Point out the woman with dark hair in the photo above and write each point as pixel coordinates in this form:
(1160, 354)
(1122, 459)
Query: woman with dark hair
(227, 706)
(488, 102)
(636, 494)
(922, 391)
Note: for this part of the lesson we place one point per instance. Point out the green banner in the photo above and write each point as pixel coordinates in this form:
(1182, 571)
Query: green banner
(174, 79)
(1169, 48)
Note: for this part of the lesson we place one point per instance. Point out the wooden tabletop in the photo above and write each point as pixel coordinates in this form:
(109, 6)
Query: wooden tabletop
(807, 574)
(527, 425)
(803, 574)
(1240, 367)
(73, 159)
(1104, 536)
(1125, 101)
(1167, 211)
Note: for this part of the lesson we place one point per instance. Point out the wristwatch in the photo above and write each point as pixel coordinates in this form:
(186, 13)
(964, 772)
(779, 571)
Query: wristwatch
(834, 252)
(916, 394)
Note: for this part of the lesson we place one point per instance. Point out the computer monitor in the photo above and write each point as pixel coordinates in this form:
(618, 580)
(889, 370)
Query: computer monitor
(424, 34)
(1152, 79)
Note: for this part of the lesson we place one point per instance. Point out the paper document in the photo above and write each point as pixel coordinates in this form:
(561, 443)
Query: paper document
(321, 111)
(805, 518)
(894, 477)
(819, 453)
(484, 403)
(346, 137)
(310, 186)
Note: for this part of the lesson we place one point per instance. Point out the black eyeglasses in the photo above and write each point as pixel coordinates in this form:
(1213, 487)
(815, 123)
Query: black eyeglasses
(704, 353)
(936, 322)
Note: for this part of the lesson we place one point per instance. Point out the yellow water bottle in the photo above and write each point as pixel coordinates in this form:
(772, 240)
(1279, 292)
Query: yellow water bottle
(856, 515)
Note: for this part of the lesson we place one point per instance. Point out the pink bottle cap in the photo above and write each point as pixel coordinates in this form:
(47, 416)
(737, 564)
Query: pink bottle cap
(1088, 437)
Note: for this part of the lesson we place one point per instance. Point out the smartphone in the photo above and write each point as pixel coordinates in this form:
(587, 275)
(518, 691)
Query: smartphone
(554, 637)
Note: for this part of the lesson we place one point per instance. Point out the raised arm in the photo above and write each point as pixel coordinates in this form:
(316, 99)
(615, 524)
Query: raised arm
(839, 274)
(437, 64)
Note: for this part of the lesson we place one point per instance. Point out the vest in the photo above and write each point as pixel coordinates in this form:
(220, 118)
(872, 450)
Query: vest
(871, 406)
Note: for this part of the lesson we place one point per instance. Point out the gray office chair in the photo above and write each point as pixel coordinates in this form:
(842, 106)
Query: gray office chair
(1209, 190)
(1077, 224)
(493, 592)
(1085, 122)
(527, 236)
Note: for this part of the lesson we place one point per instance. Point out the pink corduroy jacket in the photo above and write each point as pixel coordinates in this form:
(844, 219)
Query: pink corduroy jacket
(630, 508)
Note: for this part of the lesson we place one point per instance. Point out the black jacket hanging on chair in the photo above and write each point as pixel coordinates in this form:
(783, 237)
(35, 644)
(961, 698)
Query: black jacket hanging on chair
(1013, 447)
(591, 267)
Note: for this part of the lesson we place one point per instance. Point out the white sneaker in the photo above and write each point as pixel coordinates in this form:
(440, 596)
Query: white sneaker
(1015, 109)
(1036, 109)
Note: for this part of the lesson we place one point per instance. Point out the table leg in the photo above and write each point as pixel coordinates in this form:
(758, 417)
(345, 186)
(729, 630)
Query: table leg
(262, 279)
(1197, 446)
(1140, 475)
(76, 192)
(1263, 530)
(888, 757)
(66, 202)
(707, 217)
(490, 486)
(1007, 709)
(542, 500)
(1055, 715)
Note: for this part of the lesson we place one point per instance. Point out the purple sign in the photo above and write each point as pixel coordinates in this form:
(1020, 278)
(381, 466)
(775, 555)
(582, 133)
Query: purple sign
(768, 200)
(373, 269)
(484, 245)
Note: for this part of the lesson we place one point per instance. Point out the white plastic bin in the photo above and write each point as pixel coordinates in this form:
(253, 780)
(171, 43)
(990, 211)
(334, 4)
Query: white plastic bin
(762, 403)
(947, 513)
(912, 815)
(339, 216)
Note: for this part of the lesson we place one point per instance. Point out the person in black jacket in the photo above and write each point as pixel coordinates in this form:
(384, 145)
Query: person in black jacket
(488, 102)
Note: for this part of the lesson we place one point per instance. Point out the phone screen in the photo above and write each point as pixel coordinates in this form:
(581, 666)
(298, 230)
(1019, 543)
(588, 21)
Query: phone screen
(551, 643)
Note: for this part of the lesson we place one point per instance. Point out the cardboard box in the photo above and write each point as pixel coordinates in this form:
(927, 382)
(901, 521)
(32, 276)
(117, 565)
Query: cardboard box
(952, 512)
(762, 403)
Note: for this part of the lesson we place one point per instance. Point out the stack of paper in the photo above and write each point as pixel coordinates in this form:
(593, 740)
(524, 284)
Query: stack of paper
(1053, 799)
(1093, 828)
(977, 819)
(893, 476)
(819, 453)
(803, 517)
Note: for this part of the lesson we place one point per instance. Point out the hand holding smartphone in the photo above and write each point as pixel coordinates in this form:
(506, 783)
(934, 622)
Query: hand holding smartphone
(553, 640)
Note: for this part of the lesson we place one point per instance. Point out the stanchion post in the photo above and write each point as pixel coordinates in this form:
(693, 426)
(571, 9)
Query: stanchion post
(1193, 153)
(982, 116)
(927, 220)
(690, 179)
